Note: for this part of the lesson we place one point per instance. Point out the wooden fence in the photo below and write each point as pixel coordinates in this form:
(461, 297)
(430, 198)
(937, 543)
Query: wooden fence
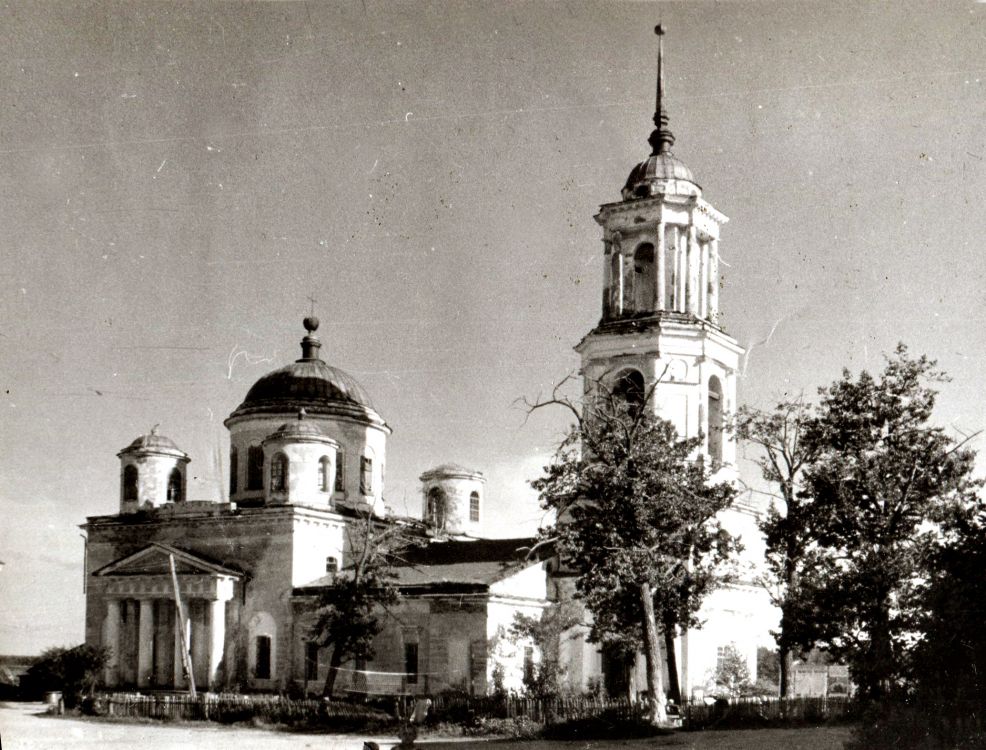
(229, 708)
(464, 709)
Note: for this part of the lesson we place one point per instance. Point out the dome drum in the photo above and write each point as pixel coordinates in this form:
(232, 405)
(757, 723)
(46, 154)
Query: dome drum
(300, 464)
(452, 500)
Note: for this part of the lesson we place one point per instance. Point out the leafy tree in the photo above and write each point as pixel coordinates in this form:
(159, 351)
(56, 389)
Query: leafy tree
(779, 434)
(546, 632)
(949, 661)
(881, 478)
(349, 610)
(636, 517)
(732, 674)
(73, 671)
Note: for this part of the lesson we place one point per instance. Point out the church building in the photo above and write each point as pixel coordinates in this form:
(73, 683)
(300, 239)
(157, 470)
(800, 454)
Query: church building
(307, 457)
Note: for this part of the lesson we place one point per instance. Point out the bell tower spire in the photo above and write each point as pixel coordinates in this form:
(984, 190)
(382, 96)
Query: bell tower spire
(661, 139)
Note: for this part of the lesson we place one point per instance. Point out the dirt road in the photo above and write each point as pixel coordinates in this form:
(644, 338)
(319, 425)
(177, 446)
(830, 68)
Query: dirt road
(23, 726)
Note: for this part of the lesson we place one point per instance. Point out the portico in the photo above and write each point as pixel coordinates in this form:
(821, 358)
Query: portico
(141, 625)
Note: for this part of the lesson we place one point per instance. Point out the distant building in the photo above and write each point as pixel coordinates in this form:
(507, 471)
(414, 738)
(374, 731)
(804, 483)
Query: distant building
(307, 457)
(820, 680)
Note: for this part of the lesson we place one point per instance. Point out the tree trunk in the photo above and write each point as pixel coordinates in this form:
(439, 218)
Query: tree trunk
(652, 657)
(784, 657)
(674, 688)
(330, 679)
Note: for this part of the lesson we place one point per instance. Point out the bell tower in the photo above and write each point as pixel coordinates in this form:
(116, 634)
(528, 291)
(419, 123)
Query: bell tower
(660, 304)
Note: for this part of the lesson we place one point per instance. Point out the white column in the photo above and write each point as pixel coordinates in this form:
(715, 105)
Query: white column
(200, 641)
(619, 284)
(714, 281)
(607, 278)
(181, 646)
(693, 264)
(111, 639)
(703, 282)
(681, 268)
(673, 271)
(661, 267)
(217, 641)
(145, 643)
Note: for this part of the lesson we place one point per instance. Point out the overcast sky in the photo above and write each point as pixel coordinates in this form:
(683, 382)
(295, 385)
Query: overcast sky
(177, 179)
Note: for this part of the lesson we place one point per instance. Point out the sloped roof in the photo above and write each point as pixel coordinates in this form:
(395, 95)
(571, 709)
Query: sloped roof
(474, 564)
(153, 560)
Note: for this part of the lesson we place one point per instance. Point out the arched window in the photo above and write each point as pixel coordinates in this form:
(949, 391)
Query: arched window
(340, 485)
(130, 483)
(435, 513)
(366, 475)
(255, 468)
(629, 389)
(279, 473)
(474, 507)
(323, 473)
(715, 421)
(234, 469)
(174, 486)
(644, 278)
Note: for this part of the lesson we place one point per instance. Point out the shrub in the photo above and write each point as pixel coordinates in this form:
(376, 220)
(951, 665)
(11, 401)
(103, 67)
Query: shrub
(608, 725)
(898, 725)
(73, 671)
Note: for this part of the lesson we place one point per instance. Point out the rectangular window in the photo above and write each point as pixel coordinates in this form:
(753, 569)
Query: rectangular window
(262, 668)
(234, 469)
(311, 661)
(528, 665)
(340, 472)
(721, 653)
(366, 475)
(474, 507)
(411, 662)
(255, 468)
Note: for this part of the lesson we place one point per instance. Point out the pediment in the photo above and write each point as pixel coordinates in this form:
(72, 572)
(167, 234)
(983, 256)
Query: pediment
(154, 560)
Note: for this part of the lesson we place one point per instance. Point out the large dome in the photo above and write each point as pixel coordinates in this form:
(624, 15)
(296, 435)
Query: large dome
(305, 383)
(309, 384)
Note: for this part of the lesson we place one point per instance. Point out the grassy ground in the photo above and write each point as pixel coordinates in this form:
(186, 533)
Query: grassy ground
(805, 738)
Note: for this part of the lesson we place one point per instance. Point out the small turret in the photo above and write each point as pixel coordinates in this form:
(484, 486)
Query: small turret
(152, 473)
(300, 464)
(453, 499)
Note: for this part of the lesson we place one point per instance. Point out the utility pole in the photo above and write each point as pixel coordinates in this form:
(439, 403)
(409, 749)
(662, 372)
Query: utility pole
(186, 660)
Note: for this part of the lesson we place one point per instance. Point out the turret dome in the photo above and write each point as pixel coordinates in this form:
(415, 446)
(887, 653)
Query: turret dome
(653, 173)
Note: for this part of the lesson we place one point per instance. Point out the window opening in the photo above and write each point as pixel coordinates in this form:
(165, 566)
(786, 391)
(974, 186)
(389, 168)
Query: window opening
(262, 666)
(311, 660)
(234, 469)
(437, 507)
(130, 483)
(715, 421)
(255, 468)
(174, 486)
(278, 473)
(366, 475)
(411, 663)
(474, 507)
